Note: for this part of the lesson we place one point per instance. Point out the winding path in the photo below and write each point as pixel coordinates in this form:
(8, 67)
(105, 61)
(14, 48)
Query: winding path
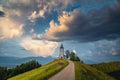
(67, 73)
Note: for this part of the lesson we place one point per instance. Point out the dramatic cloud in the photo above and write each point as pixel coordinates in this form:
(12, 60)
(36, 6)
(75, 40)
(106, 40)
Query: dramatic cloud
(36, 15)
(10, 28)
(95, 25)
(39, 47)
(19, 10)
(106, 48)
(48, 21)
(47, 6)
(2, 14)
(24, 2)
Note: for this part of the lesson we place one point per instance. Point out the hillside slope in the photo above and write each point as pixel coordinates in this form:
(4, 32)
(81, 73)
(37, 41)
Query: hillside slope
(86, 72)
(42, 73)
(110, 68)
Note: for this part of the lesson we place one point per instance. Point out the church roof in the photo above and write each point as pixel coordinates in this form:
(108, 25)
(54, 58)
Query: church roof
(61, 46)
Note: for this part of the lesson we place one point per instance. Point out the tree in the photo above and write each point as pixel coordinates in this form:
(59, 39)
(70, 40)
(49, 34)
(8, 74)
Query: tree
(74, 57)
(3, 73)
(77, 58)
(7, 73)
(26, 67)
(67, 53)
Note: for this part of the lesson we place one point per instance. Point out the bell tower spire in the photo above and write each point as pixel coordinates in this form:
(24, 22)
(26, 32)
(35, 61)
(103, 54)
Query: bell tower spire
(61, 54)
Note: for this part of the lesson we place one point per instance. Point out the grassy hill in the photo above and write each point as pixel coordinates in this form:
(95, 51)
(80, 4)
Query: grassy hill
(42, 73)
(111, 68)
(86, 72)
(102, 71)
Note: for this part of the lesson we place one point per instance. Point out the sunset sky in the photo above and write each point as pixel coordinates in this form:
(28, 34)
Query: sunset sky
(38, 27)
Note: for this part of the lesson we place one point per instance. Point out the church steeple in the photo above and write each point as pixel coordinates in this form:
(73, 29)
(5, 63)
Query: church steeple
(61, 46)
(61, 54)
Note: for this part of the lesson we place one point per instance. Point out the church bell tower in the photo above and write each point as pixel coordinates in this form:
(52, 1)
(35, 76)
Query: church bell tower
(61, 54)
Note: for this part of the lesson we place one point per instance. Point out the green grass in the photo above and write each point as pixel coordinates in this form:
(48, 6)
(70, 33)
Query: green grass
(42, 73)
(110, 68)
(107, 67)
(86, 72)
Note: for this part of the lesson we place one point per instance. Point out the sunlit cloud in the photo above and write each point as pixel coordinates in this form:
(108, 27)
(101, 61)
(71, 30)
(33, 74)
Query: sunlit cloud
(1, 8)
(25, 2)
(10, 28)
(39, 47)
(95, 25)
(47, 6)
(48, 22)
(54, 29)
(36, 15)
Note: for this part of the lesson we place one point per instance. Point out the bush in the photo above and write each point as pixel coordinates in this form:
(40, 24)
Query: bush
(74, 57)
(3, 75)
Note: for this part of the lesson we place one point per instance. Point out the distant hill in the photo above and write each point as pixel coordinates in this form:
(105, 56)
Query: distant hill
(110, 68)
(10, 62)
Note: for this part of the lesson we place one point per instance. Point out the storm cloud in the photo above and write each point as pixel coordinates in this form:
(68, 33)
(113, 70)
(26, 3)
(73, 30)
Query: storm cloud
(94, 21)
(2, 14)
(96, 24)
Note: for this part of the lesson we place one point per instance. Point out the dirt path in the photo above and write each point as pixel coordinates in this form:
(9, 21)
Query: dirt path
(66, 74)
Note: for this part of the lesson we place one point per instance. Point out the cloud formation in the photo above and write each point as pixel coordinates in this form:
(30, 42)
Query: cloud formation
(10, 28)
(76, 20)
(39, 47)
(19, 10)
(106, 48)
(47, 6)
(95, 25)
(2, 14)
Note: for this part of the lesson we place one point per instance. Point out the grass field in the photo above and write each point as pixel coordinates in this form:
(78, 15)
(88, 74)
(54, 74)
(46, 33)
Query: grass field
(86, 72)
(110, 68)
(42, 73)
(107, 67)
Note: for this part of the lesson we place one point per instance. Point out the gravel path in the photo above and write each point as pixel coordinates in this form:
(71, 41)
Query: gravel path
(67, 73)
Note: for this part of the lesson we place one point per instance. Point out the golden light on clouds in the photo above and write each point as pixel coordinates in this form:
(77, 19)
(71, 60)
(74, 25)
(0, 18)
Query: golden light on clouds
(10, 28)
(39, 47)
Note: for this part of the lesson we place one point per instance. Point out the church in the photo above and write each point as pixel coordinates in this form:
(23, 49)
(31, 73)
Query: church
(61, 53)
